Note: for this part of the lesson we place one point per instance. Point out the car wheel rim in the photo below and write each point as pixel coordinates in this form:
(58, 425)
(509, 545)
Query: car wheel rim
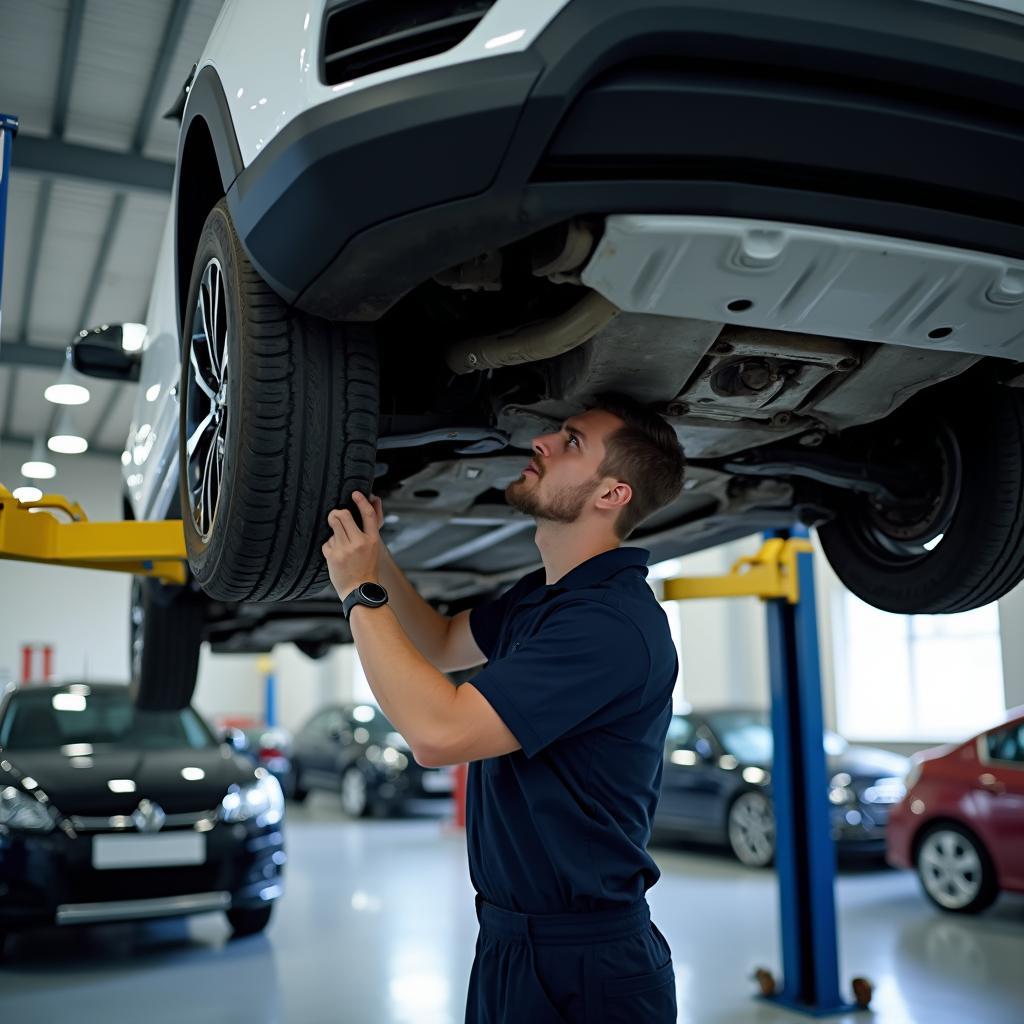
(353, 793)
(138, 619)
(911, 530)
(950, 868)
(752, 830)
(206, 399)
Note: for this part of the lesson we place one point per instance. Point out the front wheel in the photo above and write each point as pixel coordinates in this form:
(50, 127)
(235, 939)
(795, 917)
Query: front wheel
(955, 540)
(245, 921)
(355, 793)
(278, 426)
(751, 829)
(955, 870)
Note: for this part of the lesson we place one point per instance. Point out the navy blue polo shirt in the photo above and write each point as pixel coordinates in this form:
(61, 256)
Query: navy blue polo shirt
(581, 672)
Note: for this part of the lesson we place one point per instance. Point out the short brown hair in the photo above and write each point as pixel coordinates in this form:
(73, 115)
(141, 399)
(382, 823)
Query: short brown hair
(643, 453)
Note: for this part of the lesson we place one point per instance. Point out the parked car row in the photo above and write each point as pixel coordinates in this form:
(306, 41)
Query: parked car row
(717, 786)
(954, 814)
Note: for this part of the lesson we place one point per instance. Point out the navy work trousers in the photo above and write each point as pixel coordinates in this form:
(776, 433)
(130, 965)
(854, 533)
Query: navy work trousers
(605, 967)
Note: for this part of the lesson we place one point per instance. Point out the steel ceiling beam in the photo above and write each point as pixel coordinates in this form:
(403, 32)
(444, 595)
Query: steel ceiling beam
(23, 439)
(36, 357)
(51, 158)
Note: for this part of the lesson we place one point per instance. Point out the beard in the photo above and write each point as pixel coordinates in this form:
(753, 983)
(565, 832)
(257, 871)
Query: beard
(565, 506)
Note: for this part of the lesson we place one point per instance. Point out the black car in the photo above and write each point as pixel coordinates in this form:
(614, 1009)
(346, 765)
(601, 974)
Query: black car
(354, 749)
(109, 813)
(717, 785)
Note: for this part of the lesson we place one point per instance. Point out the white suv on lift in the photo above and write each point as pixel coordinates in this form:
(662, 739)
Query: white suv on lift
(405, 237)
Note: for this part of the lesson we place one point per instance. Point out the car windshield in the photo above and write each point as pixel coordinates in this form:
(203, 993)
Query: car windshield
(747, 735)
(80, 717)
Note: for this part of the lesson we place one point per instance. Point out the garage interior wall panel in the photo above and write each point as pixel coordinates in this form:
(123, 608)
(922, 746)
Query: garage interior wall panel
(1011, 636)
(82, 613)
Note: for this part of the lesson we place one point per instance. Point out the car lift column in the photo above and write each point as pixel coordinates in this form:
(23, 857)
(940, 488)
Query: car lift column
(8, 129)
(805, 857)
(782, 575)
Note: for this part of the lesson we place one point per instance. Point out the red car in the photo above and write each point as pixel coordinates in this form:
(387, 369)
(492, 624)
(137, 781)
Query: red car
(961, 823)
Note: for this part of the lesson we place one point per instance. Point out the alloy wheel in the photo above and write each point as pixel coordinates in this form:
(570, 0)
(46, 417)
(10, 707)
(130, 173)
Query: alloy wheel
(206, 399)
(950, 868)
(353, 793)
(752, 829)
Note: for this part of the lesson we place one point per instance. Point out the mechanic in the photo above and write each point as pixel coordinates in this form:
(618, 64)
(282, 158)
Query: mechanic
(564, 727)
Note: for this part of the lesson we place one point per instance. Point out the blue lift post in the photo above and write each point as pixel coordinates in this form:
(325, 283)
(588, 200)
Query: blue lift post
(8, 129)
(804, 851)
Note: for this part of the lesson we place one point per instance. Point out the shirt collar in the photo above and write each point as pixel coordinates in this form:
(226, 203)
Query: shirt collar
(603, 566)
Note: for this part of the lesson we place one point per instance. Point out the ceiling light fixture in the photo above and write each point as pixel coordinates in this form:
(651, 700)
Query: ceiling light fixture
(27, 493)
(66, 391)
(66, 438)
(38, 466)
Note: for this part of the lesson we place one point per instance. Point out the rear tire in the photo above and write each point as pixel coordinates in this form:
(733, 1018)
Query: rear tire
(244, 921)
(295, 791)
(355, 793)
(166, 635)
(976, 508)
(278, 426)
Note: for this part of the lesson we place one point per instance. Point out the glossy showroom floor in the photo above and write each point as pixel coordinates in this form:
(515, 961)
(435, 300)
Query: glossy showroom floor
(377, 926)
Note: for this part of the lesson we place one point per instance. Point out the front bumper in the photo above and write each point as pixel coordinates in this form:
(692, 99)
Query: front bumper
(50, 878)
(832, 115)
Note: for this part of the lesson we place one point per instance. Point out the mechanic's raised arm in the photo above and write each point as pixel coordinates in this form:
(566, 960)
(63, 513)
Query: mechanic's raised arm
(446, 643)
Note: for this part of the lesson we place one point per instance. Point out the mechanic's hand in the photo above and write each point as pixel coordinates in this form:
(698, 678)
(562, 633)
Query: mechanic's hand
(353, 554)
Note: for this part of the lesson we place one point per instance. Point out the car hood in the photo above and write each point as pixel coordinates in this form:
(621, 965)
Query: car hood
(864, 763)
(81, 785)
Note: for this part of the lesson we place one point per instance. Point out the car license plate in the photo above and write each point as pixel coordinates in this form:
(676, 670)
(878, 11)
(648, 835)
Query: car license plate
(438, 782)
(160, 851)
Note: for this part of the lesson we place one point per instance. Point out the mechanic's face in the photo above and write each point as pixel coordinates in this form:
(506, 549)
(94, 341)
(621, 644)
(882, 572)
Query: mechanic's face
(562, 479)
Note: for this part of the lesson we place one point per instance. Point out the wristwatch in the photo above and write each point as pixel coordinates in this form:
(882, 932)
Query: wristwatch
(373, 595)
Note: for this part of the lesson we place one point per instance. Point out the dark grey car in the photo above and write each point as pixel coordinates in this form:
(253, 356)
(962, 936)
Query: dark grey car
(717, 786)
(353, 749)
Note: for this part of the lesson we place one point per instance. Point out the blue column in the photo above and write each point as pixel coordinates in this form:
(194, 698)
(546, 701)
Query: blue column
(805, 853)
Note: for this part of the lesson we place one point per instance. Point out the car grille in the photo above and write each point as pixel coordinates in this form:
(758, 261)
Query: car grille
(364, 36)
(122, 822)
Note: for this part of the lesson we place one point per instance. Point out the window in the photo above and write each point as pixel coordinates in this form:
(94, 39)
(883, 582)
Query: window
(1006, 744)
(915, 677)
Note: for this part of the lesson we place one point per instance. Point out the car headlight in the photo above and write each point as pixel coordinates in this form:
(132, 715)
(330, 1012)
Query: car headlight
(885, 791)
(18, 810)
(262, 800)
(840, 795)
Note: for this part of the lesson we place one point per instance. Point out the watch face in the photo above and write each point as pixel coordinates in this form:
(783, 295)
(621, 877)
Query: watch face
(373, 592)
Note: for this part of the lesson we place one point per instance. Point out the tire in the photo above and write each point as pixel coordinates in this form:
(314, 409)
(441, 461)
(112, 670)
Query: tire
(315, 649)
(974, 458)
(355, 793)
(296, 793)
(750, 828)
(166, 633)
(245, 921)
(955, 870)
(280, 417)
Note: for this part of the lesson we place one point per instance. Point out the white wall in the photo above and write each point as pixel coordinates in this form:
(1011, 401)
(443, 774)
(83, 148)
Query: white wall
(83, 614)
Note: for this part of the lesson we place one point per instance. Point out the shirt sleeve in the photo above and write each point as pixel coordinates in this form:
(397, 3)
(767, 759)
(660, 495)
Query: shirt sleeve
(587, 665)
(485, 620)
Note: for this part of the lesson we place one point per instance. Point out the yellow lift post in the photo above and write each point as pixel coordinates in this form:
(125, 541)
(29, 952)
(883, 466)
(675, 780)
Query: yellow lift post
(29, 534)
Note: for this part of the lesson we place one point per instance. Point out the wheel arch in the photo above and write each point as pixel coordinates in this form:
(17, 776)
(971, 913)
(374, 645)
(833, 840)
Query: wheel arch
(209, 160)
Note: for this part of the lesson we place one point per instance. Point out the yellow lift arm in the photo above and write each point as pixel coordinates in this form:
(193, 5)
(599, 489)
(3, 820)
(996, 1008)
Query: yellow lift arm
(770, 574)
(152, 548)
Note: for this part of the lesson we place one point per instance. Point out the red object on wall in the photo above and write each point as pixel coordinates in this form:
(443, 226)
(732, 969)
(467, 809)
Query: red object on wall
(26, 663)
(461, 772)
(47, 662)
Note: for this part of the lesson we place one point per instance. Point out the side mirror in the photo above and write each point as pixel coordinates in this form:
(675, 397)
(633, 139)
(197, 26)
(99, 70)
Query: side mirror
(111, 352)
